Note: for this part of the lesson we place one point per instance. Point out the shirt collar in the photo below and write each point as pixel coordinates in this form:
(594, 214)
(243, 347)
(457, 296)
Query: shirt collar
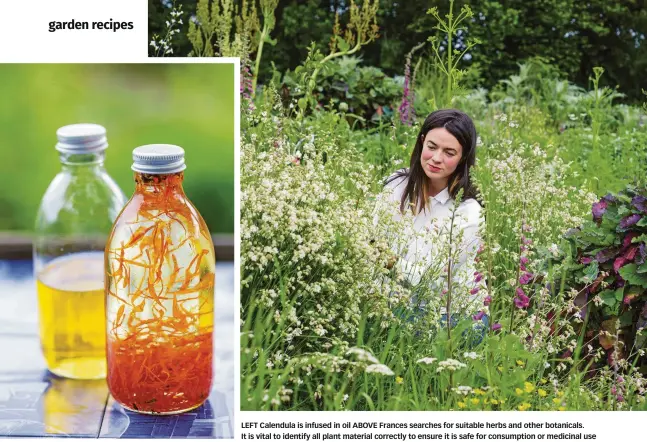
(442, 197)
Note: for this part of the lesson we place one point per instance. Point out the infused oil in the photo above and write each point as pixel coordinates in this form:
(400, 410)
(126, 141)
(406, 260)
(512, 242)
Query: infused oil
(160, 276)
(73, 221)
(72, 315)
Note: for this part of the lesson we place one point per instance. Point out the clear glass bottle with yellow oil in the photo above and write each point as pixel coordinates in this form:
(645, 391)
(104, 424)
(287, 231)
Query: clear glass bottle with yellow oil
(72, 226)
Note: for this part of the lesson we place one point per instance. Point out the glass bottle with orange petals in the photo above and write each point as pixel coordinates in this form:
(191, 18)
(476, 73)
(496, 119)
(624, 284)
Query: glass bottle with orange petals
(160, 276)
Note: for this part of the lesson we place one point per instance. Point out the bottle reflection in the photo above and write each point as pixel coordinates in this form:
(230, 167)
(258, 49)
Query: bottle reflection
(74, 406)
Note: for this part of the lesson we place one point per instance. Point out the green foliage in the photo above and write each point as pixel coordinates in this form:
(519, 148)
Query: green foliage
(201, 35)
(575, 36)
(360, 30)
(446, 61)
(269, 21)
(606, 265)
(363, 93)
(213, 31)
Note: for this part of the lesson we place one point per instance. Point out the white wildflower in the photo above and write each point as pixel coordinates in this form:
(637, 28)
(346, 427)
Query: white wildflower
(450, 364)
(362, 355)
(379, 369)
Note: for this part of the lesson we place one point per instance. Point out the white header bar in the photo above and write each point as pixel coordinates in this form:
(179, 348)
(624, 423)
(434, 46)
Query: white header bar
(101, 31)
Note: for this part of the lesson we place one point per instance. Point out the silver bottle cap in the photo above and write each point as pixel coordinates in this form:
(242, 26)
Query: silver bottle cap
(158, 159)
(81, 138)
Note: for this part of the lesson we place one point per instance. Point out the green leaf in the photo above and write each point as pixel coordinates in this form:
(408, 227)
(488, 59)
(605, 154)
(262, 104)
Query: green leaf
(590, 272)
(342, 44)
(626, 319)
(641, 238)
(609, 297)
(642, 222)
(642, 268)
(629, 273)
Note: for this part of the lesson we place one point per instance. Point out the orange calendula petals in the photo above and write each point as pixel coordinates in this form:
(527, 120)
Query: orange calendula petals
(160, 346)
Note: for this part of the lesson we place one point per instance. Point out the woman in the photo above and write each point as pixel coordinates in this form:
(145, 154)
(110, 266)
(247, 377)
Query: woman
(439, 170)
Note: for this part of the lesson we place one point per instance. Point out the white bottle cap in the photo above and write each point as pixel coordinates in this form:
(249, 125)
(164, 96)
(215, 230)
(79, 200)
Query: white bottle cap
(81, 138)
(158, 159)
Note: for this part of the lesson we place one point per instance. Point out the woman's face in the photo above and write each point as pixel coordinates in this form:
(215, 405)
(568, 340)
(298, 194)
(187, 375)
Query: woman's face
(441, 153)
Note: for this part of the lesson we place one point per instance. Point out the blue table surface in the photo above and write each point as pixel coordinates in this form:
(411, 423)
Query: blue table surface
(35, 403)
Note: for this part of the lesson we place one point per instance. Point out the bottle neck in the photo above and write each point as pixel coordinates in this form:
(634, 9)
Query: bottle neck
(79, 162)
(159, 183)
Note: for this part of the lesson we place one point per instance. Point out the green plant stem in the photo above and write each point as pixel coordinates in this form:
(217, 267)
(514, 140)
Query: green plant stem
(450, 69)
(580, 339)
(259, 55)
(313, 79)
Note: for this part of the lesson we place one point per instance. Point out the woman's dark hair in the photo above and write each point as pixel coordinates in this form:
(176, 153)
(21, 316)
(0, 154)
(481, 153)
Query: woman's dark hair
(416, 192)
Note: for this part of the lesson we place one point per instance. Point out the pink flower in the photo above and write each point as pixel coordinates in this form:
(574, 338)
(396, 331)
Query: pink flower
(613, 390)
(478, 316)
(496, 326)
(525, 278)
(487, 301)
(523, 261)
(477, 277)
(521, 300)
(474, 291)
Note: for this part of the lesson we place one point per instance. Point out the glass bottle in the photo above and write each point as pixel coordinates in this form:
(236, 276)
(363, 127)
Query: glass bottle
(72, 226)
(160, 276)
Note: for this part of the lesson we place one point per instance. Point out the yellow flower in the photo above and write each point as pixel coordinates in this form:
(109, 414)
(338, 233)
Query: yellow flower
(560, 394)
(461, 405)
(557, 400)
(562, 408)
(524, 406)
(541, 392)
(399, 380)
(495, 402)
(520, 363)
(479, 391)
(543, 380)
(519, 391)
(475, 401)
(528, 387)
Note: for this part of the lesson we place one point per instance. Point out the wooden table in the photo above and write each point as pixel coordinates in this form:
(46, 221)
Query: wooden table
(35, 403)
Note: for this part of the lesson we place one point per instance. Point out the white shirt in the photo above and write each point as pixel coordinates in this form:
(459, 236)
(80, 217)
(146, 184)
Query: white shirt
(424, 242)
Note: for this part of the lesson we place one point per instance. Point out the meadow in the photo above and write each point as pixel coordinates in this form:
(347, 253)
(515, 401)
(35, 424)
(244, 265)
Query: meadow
(329, 324)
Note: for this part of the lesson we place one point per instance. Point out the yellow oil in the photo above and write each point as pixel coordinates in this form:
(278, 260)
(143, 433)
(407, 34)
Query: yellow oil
(72, 316)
